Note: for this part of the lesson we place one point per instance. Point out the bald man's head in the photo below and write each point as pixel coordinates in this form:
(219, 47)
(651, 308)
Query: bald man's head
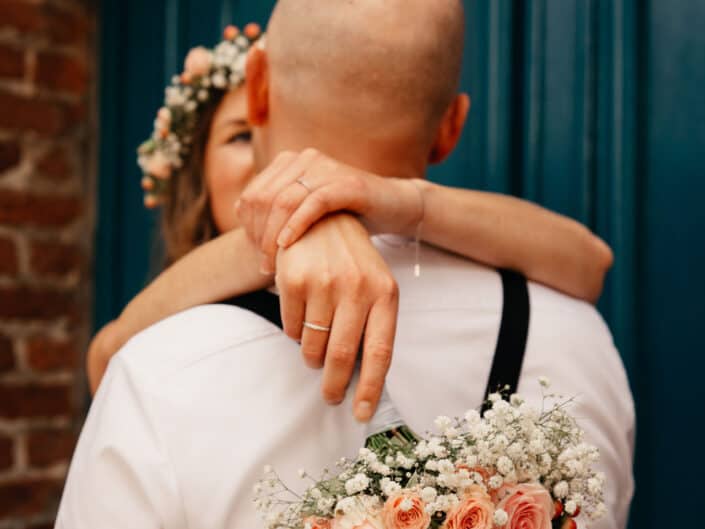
(367, 62)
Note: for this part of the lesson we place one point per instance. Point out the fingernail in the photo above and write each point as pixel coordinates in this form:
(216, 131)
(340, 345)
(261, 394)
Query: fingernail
(363, 411)
(285, 237)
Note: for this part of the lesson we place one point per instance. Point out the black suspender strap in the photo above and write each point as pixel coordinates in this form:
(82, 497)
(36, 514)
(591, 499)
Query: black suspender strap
(511, 342)
(262, 303)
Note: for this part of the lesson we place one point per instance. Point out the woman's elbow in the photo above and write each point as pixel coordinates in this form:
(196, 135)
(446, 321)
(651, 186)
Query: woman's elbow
(598, 263)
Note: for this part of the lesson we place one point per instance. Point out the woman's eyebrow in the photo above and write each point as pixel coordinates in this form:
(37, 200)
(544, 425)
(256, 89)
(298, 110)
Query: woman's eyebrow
(240, 122)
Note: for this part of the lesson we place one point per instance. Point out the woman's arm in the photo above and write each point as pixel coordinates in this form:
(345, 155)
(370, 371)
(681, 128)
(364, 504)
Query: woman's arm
(495, 229)
(224, 267)
(508, 232)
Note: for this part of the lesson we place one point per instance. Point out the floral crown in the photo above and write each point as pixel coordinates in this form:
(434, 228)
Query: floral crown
(206, 72)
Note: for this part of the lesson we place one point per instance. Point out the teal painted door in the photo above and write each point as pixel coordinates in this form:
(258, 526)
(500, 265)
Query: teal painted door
(593, 108)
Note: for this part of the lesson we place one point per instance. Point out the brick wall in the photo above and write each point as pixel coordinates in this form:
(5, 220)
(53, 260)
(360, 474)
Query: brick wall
(47, 81)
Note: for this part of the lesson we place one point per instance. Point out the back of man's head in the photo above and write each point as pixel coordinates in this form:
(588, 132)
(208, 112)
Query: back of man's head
(372, 73)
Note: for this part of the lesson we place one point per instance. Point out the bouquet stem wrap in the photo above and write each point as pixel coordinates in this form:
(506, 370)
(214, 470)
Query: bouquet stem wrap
(386, 430)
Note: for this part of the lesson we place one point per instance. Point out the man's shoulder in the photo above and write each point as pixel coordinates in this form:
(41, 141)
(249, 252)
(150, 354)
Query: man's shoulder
(191, 336)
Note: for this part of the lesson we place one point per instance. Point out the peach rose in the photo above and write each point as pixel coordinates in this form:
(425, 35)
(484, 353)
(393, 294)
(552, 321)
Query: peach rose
(475, 511)
(529, 506)
(198, 62)
(158, 166)
(314, 522)
(405, 511)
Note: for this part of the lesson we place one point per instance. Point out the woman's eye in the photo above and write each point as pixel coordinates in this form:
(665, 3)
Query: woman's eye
(244, 137)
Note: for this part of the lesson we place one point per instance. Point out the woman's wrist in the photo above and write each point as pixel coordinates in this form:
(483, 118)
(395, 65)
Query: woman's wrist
(397, 205)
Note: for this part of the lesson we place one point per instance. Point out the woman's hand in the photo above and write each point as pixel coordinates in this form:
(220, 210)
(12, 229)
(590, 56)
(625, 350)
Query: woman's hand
(298, 189)
(334, 278)
(104, 345)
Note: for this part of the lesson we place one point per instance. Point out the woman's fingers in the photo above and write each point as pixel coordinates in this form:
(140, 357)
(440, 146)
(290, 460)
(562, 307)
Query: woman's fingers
(246, 207)
(292, 304)
(314, 207)
(377, 353)
(288, 201)
(343, 347)
(316, 329)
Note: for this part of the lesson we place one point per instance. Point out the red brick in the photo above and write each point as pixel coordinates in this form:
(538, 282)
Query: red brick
(29, 497)
(61, 72)
(38, 115)
(48, 447)
(8, 257)
(55, 259)
(31, 401)
(17, 207)
(29, 303)
(7, 453)
(44, 20)
(45, 354)
(7, 354)
(9, 154)
(11, 62)
(56, 164)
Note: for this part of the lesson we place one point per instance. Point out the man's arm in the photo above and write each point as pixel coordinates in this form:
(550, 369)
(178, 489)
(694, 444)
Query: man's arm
(120, 476)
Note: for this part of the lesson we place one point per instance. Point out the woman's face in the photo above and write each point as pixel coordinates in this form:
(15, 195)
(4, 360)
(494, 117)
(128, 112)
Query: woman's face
(228, 162)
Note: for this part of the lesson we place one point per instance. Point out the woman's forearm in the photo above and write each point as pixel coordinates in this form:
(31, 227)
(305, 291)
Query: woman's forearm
(508, 232)
(224, 267)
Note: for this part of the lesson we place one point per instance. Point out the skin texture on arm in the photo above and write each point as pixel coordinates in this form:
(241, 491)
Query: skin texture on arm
(508, 232)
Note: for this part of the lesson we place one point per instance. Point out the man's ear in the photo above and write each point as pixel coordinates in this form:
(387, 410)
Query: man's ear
(257, 86)
(451, 128)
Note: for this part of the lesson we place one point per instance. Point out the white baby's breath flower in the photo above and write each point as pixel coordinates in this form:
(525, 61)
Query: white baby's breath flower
(356, 484)
(472, 417)
(451, 432)
(218, 79)
(404, 462)
(560, 489)
(504, 465)
(429, 494)
(389, 487)
(495, 482)
(445, 466)
(301, 473)
(345, 505)
(406, 505)
(202, 95)
(325, 504)
(570, 507)
(599, 511)
(500, 517)
(494, 397)
(442, 422)
(545, 382)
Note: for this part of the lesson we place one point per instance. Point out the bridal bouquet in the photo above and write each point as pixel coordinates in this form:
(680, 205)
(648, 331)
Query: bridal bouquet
(514, 467)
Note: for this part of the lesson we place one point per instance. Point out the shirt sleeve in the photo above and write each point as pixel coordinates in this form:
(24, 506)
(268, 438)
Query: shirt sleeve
(120, 476)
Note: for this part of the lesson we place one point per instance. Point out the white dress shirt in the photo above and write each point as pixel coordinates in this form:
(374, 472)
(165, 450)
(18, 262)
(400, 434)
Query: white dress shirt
(192, 408)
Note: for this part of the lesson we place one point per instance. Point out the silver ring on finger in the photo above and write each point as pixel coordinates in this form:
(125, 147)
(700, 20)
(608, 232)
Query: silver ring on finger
(303, 183)
(315, 327)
